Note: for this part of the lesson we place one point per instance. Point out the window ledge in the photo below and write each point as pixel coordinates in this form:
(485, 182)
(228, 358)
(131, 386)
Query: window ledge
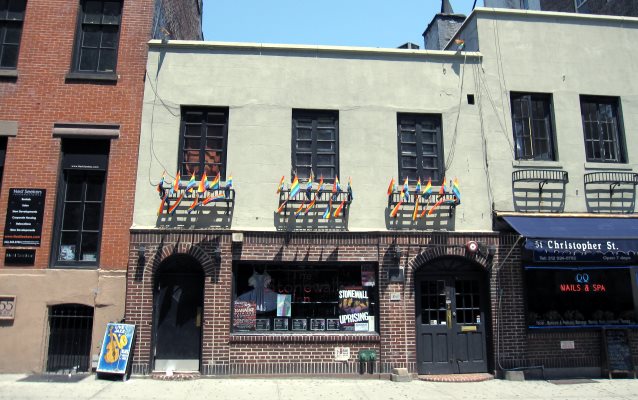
(609, 166)
(92, 76)
(536, 164)
(318, 337)
(74, 266)
(8, 73)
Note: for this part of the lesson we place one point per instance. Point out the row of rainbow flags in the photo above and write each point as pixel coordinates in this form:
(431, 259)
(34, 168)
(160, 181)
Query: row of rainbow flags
(423, 194)
(202, 189)
(295, 188)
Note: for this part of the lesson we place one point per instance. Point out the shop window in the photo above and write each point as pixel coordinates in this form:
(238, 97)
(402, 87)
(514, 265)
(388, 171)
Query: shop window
(286, 298)
(203, 138)
(11, 20)
(80, 203)
(420, 144)
(569, 296)
(532, 122)
(603, 132)
(97, 36)
(315, 144)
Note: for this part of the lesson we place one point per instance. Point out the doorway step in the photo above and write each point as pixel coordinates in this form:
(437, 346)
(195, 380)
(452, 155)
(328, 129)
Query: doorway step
(175, 376)
(459, 378)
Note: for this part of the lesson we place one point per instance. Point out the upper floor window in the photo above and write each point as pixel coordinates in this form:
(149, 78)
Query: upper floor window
(603, 133)
(80, 203)
(97, 36)
(420, 144)
(203, 139)
(11, 19)
(315, 144)
(533, 129)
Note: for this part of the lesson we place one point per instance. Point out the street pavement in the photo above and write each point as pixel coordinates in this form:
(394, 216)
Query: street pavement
(16, 388)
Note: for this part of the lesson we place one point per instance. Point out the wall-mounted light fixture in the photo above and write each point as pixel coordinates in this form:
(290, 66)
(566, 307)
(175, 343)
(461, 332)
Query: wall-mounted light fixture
(396, 273)
(396, 253)
(141, 258)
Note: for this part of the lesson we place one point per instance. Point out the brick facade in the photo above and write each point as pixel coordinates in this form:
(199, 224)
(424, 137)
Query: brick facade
(627, 8)
(509, 342)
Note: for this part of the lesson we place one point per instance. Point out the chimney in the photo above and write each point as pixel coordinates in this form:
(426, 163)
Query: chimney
(442, 27)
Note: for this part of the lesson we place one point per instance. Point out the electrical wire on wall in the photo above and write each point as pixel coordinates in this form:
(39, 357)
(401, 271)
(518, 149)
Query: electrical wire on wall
(450, 157)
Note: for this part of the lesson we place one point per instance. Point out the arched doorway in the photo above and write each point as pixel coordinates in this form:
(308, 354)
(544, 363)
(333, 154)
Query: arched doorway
(177, 314)
(452, 304)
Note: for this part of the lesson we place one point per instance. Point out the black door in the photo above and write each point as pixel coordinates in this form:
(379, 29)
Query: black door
(450, 324)
(179, 292)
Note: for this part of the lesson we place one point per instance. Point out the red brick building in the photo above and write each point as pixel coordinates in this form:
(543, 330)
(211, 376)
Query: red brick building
(71, 81)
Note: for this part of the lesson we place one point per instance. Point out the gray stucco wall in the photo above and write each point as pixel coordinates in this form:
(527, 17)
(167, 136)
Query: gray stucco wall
(565, 55)
(262, 84)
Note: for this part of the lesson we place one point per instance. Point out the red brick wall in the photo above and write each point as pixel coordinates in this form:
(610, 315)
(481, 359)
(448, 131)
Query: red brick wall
(39, 97)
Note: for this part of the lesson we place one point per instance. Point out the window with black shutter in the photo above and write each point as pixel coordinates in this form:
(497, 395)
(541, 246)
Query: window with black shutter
(315, 144)
(420, 144)
(203, 139)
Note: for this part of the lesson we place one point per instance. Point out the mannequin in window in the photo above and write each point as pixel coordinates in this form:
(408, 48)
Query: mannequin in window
(264, 298)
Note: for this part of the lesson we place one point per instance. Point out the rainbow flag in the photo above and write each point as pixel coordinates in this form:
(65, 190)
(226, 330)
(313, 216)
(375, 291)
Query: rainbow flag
(337, 212)
(280, 187)
(405, 191)
(417, 190)
(320, 187)
(443, 188)
(300, 209)
(191, 183)
(391, 187)
(281, 206)
(201, 189)
(294, 188)
(395, 210)
(164, 200)
(326, 214)
(309, 187)
(311, 204)
(428, 189)
(171, 209)
(175, 187)
(193, 205)
(229, 181)
(438, 203)
(416, 208)
(160, 185)
(455, 189)
(215, 183)
(215, 197)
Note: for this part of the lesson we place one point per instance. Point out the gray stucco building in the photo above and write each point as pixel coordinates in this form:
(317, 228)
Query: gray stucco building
(520, 254)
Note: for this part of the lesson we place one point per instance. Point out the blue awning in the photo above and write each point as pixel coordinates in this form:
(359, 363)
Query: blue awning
(568, 239)
(574, 227)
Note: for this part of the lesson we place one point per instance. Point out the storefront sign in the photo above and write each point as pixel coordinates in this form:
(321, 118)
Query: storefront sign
(583, 250)
(342, 353)
(25, 211)
(7, 308)
(583, 284)
(244, 315)
(19, 257)
(567, 345)
(116, 348)
(353, 309)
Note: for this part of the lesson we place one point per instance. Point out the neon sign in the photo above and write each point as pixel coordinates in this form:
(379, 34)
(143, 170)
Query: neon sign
(582, 285)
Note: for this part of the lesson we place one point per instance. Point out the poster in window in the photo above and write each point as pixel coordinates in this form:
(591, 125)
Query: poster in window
(284, 306)
(244, 316)
(281, 324)
(299, 324)
(67, 252)
(116, 348)
(332, 324)
(317, 324)
(262, 324)
(353, 308)
(367, 275)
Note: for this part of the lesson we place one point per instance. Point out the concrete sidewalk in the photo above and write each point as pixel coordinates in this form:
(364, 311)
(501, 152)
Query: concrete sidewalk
(13, 387)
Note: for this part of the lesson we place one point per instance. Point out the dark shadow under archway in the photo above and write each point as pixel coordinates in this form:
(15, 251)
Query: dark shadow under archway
(177, 314)
(452, 310)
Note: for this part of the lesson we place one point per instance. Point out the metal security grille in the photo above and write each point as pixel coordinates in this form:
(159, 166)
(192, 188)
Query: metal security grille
(70, 327)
